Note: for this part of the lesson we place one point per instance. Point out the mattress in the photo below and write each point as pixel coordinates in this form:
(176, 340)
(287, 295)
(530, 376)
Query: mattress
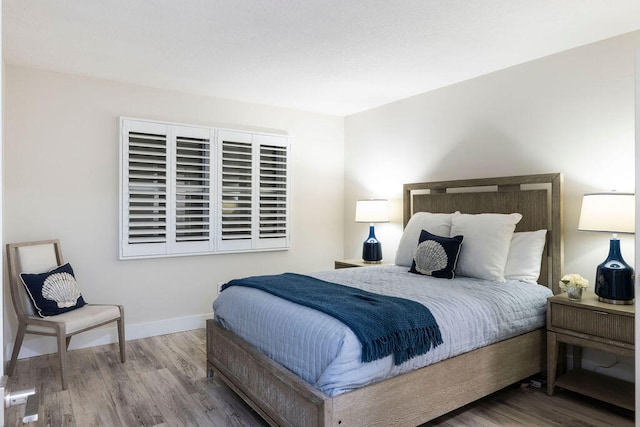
(471, 313)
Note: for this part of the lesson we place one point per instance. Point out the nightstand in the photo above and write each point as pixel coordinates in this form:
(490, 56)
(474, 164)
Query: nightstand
(594, 324)
(348, 263)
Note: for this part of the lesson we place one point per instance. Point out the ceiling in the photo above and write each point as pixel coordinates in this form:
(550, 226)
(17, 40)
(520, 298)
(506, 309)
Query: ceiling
(336, 57)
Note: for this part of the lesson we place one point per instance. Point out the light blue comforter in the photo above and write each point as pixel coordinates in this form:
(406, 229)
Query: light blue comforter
(323, 351)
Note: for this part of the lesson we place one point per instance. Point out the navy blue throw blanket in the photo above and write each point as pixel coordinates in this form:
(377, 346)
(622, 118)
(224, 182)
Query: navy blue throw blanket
(384, 325)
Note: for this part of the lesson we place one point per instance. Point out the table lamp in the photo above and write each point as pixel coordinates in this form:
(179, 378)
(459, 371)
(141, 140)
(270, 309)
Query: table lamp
(371, 211)
(612, 213)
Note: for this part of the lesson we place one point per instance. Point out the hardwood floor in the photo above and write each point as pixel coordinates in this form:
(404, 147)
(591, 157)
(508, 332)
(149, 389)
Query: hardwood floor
(164, 383)
(531, 407)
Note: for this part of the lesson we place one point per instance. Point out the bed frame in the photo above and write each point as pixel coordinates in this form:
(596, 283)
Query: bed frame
(282, 398)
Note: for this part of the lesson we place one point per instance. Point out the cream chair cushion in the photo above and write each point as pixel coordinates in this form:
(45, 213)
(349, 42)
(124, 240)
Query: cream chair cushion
(79, 319)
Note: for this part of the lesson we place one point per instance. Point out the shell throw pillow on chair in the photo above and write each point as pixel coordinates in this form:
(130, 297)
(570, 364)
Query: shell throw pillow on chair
(54, 292)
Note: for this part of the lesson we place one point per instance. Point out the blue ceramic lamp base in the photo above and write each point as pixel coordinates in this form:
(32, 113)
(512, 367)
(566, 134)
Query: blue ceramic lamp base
(372, 249)
(615, 278)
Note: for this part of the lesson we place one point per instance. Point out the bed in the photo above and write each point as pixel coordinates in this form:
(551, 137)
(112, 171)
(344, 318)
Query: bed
(419, 395)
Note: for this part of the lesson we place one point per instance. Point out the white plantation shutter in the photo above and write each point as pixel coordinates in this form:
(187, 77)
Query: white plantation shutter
(145, 184)
(236, 179)
(196, 190)
(274, 186)
(254, 188)
(192, 190)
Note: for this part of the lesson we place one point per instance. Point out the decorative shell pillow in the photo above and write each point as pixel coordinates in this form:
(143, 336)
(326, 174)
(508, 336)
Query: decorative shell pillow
(436, 256)
(54, 292)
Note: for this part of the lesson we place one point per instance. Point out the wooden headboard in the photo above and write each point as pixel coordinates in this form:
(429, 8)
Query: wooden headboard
(537, 197)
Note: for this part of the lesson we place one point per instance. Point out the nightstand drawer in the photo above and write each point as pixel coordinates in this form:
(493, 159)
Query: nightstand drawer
(593, 322)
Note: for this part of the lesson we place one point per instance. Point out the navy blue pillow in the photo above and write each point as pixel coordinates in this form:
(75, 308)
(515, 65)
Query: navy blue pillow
(53, 292)
(436, 256)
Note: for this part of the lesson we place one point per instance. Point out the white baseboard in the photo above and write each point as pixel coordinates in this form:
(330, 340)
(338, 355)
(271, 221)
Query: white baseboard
(36, 345)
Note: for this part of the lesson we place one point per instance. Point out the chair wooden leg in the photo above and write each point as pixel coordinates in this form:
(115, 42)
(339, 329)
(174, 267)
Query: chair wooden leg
(62, 354)
(121, 339)
(22, 329)
(68, 341)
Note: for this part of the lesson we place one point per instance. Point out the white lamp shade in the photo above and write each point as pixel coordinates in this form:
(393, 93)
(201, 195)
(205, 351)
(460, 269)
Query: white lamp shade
(372, 210)
(610, 212)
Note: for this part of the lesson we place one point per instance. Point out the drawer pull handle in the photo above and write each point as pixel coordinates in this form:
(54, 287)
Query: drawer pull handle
(601, 312)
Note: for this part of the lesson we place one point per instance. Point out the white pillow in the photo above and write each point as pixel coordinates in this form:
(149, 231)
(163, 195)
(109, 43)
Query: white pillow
(525, 256)
(487, 238)
(435, 223)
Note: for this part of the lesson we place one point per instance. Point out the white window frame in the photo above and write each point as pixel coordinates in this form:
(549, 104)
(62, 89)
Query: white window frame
(185, 229)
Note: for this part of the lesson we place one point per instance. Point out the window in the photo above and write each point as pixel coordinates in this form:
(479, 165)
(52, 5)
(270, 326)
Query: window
(196, 190)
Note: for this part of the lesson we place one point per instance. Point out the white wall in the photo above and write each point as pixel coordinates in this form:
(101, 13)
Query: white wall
(61, 181)
(572, 113)
(637, 168)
